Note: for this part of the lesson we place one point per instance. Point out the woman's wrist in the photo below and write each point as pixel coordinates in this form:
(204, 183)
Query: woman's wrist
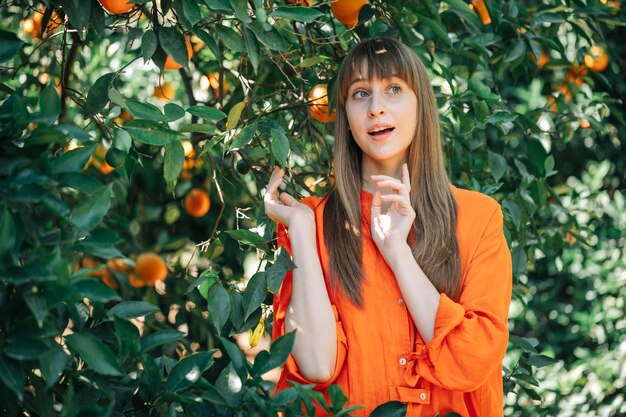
(397, 254)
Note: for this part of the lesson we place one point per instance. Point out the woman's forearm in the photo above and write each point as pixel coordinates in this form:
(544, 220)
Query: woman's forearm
(310, 312)
(420, 296)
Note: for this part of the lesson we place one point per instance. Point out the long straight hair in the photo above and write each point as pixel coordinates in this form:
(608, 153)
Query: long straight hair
(433, 236)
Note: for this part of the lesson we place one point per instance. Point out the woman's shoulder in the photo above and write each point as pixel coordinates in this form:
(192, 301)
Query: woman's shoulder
(474, 209)
(474, 200)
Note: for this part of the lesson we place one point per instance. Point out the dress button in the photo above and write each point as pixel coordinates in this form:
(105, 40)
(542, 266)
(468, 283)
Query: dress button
(400, 302)
(402, 361)
(423, 396)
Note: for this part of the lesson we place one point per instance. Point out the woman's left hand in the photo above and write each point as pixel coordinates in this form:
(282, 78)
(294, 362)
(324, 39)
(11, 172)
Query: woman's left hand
(391, 228)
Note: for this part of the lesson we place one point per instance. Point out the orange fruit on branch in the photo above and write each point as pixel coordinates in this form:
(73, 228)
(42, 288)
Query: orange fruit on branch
(170, 64)
(150, 268)
(164, 91)
(32, 25)
(116, 6)
(347, 11)
(197, 202)
(305, 3)
(483, 12)
(596, 60)
(319, 104)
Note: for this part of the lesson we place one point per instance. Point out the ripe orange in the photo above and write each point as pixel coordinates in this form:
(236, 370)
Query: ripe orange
(306, 3)
(212, 80)
(116, 6)
(197, 202)
(543, 59)
(576, 74)
(103, 274)
(32, 25)
(481, 8)
(165, 91)
(117, 265)
(170, 64)
(150, 268)
(136, 281)
(552, 103)
(188, 149)
(584, 123)
(596, 60)
(319, 104)
(347, 11)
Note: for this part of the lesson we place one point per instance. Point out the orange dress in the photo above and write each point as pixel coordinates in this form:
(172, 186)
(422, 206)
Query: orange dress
(381, 356)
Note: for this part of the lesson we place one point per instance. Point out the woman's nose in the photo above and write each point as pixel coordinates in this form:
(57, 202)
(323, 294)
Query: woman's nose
(376, 107)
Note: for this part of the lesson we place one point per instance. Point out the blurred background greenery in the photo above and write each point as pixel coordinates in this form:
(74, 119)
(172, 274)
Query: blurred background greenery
(137, 266)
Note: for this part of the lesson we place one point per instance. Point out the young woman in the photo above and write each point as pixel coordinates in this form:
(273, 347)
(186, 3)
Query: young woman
(403, 281)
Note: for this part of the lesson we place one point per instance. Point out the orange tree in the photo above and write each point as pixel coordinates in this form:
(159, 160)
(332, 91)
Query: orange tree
(133, 243)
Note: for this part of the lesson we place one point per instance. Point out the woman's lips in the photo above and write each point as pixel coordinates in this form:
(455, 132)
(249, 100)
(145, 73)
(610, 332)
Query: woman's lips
(381, 134)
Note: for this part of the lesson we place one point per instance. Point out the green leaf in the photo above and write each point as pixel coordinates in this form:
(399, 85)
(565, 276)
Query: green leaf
(24, 348)
(218, 303)
(132, 309)
(252, 48)
(520, 260)
(146, 111)
(279, 352)
(50, 104)
(96, 354)
(231, 38)
(148, 44)
(173, 112)
(235, 114)
(197, 128)
(540, 361)
(518, 49)
(151, 133)
(481, 89)
(276, 273)
(188, 370)
(241, 10)
(300, 14)
(255, 293)
(438, 30)
(89, 213)
(390, 409)
(38, 305)
(337, 397)
(7, 236)
(174, 160)
(44, 135)
(247, 237)
(72, 161)
(173, 43)
(12, 375)
(160, 338)
(191, 10)
(244, 136)
(272, 38)
(461, 8)
(498, 165)
(127, 336)
(95, 290)
(98, 95)
(210, 114)
(280, 146)
(78, 14)
(236, 357)
(52, 363)
(10, 45)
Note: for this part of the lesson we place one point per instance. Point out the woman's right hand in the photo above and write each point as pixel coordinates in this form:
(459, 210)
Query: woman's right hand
(285, 209)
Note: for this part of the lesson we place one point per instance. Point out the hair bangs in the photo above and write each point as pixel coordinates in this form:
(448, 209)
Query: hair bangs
(378, 59)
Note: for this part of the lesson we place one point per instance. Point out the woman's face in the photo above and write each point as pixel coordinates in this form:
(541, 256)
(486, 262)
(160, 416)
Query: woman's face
(382, 114)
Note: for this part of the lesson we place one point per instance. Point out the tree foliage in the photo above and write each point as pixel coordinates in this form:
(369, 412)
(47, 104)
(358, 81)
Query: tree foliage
(100, 146)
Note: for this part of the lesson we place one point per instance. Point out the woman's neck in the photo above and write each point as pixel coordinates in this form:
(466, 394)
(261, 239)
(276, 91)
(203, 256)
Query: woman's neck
(368, 167)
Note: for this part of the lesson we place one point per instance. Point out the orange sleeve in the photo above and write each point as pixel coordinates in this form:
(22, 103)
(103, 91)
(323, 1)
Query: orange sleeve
(291, 371)
(470, 336)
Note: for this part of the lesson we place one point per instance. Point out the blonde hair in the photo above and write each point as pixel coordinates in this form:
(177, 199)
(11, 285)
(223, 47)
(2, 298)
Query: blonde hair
(433, 237)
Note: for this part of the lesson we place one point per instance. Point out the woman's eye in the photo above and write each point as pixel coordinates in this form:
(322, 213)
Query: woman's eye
(395, 89)
(359, 94)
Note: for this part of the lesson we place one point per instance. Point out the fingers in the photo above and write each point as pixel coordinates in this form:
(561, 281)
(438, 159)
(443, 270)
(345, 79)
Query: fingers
(272, 186)
(402, 186)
